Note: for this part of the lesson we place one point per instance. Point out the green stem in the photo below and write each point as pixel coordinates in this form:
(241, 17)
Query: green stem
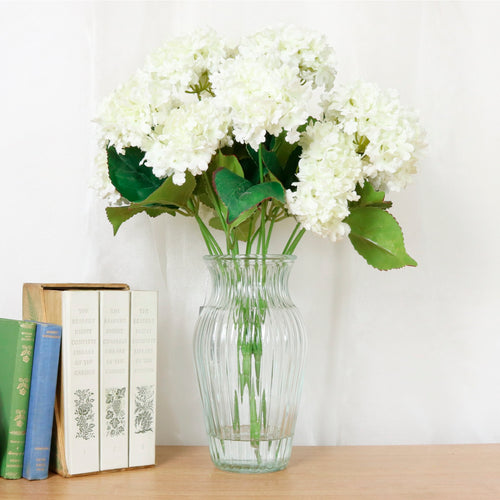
(262, 235)
(250, 237)
(217, 207)
(268, 239)
(262, 229)
(289, 242)
(212, 245)
(295, 242)
(252, 241)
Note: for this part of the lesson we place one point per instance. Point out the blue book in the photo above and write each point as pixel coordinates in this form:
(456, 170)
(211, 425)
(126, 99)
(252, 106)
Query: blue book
(41, 403)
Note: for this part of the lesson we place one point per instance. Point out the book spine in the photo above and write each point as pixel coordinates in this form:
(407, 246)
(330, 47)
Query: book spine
(12, 463)
(80, 379)
(143, 338)
(41, 402)
(114, 375)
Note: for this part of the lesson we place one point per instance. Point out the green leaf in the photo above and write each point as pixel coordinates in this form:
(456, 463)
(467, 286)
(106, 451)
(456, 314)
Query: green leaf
(227, 161)
(284, 172)
(239, 194)
(370, 198)
(290, 171)
(170, 194)
(376, 236)
(204, 181)
(282, 147)
(272, 163)
(118, 215)
(132, 180)
(243, 217)
(251, 170)
(240, 229)
(254, 155)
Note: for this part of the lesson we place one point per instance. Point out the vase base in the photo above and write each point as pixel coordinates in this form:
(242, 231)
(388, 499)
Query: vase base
(246, 456)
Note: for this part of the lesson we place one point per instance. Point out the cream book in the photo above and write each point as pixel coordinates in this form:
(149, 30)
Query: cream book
(114, 378)
(80, 373)
(143, 341)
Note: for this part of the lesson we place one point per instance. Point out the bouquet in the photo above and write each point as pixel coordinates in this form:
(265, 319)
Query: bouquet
(241, 137)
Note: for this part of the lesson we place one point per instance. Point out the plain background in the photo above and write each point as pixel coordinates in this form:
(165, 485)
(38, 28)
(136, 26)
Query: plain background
(408, 356)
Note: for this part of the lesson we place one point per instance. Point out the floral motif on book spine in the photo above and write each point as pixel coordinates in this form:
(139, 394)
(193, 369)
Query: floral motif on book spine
(144, 409)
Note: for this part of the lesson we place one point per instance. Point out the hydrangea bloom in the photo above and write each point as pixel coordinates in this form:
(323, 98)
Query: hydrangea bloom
(264, 96)
(101, 182)
(188, 139)
(394, 137)
(306, 51)
(329, 170)
(125, 116)
(179, 65)
(157, 111)
(196, 95)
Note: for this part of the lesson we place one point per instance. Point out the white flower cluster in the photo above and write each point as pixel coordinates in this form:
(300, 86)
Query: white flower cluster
(179, 65)
(197, 94)
(125, 118)
(187, 140)
(158, 111)
(101, 183)
(329, 170)
(265, 97)
(392, 132)
(307, 52)
(275, 82)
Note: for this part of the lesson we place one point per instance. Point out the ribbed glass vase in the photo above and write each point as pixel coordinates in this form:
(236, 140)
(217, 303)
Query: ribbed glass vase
(249, 348)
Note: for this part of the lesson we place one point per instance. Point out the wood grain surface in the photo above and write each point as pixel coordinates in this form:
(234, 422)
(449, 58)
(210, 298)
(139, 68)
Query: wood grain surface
(451, 472)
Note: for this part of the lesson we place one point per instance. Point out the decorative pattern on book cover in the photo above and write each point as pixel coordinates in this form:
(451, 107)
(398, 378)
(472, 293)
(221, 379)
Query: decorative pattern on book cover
(114, 361)
(17, 339)
(41, 403)
(143, 338)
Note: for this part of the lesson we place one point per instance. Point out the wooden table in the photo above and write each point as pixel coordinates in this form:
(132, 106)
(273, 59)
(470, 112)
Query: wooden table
(451, 472)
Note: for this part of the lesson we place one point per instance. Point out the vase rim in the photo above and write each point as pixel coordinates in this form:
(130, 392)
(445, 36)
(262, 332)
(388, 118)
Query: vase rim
(251, 257)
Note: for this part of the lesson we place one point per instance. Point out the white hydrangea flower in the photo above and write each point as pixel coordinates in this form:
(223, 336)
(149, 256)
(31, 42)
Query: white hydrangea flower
(101, 182)
(394, 134)
(188, 139)
(329, 170)
(265, 96)
(178, 65)
(306, 51)
(125, 116)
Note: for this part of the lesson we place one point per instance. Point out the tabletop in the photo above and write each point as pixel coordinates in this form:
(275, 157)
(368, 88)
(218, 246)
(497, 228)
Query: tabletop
(451, 472)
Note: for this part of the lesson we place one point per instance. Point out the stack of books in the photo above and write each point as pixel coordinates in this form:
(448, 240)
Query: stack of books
(105, 397)
(29, 359)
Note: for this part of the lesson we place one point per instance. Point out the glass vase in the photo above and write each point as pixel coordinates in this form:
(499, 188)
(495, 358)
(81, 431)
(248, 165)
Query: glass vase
(249, 348)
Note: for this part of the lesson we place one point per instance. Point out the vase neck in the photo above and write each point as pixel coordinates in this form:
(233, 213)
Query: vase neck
(260, 278)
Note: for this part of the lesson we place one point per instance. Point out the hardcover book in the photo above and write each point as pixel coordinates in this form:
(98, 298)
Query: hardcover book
(41, 402)
(75, 447)
(17, 339)
(143, 339)
(114, 374)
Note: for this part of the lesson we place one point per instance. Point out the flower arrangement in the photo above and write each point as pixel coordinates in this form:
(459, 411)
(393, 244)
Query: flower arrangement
(241, 137)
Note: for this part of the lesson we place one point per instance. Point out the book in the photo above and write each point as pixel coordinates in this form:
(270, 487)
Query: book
(41, 401)
(17, 339)
(75, 446)
(114, 374)
(143, 341)
(80, 375)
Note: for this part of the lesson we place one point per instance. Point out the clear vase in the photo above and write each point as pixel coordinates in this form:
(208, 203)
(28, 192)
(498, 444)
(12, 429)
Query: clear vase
(249, 348)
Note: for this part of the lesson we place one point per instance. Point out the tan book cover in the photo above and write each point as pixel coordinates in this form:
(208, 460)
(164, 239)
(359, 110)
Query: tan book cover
(43, 302)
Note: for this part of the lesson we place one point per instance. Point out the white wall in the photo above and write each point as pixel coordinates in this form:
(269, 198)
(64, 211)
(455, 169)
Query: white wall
(408, 356)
